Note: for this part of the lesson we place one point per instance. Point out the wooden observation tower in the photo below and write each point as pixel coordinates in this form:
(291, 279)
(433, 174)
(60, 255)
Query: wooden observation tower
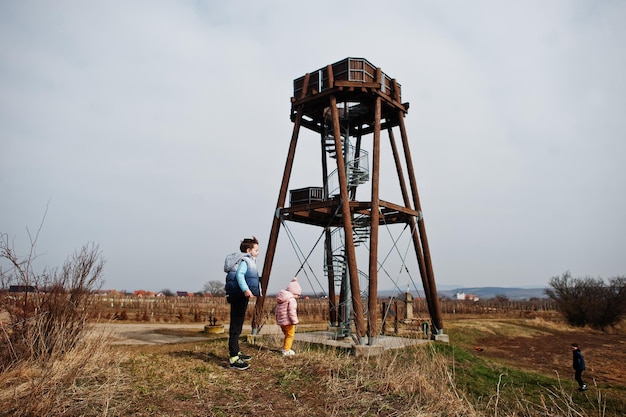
(346, 103)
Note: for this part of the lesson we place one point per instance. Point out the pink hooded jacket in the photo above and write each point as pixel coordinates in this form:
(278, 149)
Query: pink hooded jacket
(286, 308)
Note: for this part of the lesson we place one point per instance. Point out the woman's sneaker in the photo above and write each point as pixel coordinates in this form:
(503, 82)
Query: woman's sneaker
(237, 363)
(288, 352)
(244, 357)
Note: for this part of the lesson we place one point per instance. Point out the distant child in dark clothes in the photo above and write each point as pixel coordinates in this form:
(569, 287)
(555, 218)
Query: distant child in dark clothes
(579, 366)
(287, 314)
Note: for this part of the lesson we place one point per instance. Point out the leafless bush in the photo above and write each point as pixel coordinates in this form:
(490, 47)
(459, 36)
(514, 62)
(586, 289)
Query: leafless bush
(46, 355)
(48, 312)
(589, 301)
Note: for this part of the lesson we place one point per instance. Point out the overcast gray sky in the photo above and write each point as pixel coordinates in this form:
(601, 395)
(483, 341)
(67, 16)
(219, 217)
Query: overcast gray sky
(159, 131)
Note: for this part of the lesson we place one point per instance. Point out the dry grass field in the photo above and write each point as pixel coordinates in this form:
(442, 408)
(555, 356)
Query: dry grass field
(193, 378)
(514, 363)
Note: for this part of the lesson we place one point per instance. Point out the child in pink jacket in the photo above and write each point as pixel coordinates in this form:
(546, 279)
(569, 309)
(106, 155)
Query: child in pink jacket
(287, 314)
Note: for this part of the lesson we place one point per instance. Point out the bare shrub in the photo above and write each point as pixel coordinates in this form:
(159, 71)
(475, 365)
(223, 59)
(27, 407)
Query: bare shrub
(46, 357)
(51, 319)
(589, 301)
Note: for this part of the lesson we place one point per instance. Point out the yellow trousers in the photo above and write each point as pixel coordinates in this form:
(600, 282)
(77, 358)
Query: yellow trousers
(289, 331)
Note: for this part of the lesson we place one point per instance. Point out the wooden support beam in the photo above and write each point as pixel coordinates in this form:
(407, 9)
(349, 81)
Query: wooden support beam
(347, 223)
(412, 222)
(372, 308)
(433, 297)
(273, 239)
(331, 76)
(396, 90)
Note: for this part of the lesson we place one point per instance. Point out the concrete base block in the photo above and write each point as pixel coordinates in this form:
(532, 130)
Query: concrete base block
(442, 338)
(361, 351)
(336, 333)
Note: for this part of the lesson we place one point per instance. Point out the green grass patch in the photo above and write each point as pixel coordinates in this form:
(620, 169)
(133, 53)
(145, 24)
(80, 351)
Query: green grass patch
(495, 385)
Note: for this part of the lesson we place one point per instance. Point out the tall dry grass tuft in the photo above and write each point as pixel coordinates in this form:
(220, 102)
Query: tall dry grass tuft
(411, 382)
(558, 400)
(85, 381)
(47, 356)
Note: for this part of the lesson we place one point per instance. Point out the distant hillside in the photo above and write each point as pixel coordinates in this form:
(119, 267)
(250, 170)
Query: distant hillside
(481, 292)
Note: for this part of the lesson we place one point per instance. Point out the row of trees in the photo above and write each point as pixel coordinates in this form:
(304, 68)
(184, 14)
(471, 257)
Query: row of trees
(583, 301)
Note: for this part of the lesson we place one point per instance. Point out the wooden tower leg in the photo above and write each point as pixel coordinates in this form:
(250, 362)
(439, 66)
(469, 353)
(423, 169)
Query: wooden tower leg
(412, 223)
(357, 305)
(432, 296)
(372, 308)
(271, 245)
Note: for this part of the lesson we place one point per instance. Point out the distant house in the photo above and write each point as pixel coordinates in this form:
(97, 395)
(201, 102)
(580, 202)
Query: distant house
(22, 288)
(467, 297)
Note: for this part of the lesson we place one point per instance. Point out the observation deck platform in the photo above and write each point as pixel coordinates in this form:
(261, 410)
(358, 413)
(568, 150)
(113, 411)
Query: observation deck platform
(355, 82)
(327, 213)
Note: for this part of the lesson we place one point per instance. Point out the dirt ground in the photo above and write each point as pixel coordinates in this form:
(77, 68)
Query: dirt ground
(151, 334)
(165, 333)
(605, 354)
